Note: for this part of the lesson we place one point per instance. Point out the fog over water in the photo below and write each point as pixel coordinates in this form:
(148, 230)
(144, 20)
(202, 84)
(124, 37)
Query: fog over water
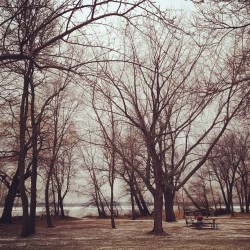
(81, 211)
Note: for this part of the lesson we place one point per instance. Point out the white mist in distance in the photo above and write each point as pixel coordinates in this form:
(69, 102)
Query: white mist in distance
(175, 4)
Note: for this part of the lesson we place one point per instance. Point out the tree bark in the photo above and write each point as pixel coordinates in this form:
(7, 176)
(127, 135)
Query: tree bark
(132, 205)
(10, 198)
(47, 207)
(158, 205)
(111, 180)
(144, 207)
(55, 201)
(158, 196)
(112, 209)
(22, 154)
(169, 204)
(248, 203)
(34, 163)
(60, 200)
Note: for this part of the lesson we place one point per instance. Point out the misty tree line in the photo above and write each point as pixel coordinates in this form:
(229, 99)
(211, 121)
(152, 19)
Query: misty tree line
(100, 93)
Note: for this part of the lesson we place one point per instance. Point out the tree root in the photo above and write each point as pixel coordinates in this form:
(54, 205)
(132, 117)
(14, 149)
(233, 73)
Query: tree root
(158, 232)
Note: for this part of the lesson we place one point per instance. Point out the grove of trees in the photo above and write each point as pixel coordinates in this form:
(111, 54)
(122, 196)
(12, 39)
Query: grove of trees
(121, 100)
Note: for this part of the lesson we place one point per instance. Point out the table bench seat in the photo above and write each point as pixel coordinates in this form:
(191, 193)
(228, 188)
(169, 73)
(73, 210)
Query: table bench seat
(206, 223)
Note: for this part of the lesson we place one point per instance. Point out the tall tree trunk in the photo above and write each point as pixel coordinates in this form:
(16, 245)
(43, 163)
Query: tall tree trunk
(55, 203)
(138, 203)
(112, 174)
(145, 211)
(33, 201)
(102, 208)
(10, 198)
(47, 205)
(111, 180)
(34, 163)
(158, 197)
(134, 197)
(112, 208)
(240, 198)
(207, 205)
(55, 149)
(212, 191)
(246, 195)
(25, 203)
(60, 201)
(22, 153)
(248, 203)
(132, 205)
(145, 207)
(132, 193)
(229, 200)
(158, 205)
(169, 195)
(97, 204)
(232, 209)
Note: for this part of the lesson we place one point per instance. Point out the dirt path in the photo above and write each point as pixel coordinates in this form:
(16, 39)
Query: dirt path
(232, 233)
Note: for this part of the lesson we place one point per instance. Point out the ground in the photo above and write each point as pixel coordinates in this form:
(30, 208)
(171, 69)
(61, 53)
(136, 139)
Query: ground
(232, 233)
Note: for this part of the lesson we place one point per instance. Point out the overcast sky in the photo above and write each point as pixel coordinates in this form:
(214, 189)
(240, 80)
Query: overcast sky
(175, 4)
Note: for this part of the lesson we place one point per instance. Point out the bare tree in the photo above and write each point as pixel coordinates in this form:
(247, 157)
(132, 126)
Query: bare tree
(59, 127)
(227, 16)
(157, 95)
(109, 152)
(65, 168)
(132, 146)
(242, 183)
(229, 23)
(64, 13)
(9, 150)
(228, 162)
(29, 31)
(225, 162)
(97, 181)
(148, 102)
(25, 26)
(201, 189)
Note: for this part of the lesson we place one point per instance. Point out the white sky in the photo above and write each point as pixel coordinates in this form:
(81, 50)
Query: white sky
(175, 4)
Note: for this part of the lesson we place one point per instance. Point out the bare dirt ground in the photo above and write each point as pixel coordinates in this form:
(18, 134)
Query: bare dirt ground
(232, 233)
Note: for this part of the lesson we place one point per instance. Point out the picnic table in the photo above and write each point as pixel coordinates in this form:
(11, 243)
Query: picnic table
(204, 223)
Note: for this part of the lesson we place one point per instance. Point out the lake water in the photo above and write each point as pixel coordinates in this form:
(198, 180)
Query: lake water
(73, 211)
(81, 211)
